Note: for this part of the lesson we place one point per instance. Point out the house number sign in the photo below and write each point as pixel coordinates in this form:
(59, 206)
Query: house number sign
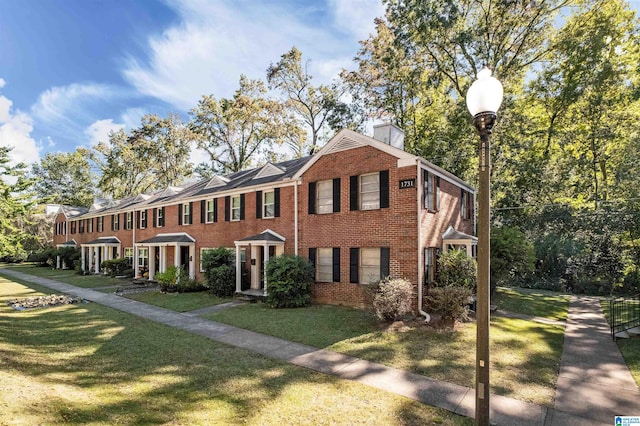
(407, 183)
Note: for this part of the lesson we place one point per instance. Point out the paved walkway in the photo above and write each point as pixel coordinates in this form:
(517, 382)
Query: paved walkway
(458, 399)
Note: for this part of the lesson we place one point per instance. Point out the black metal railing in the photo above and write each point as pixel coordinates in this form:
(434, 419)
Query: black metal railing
(625, 314)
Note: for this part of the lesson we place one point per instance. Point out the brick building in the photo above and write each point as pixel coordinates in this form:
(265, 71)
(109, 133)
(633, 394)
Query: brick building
(359, 209)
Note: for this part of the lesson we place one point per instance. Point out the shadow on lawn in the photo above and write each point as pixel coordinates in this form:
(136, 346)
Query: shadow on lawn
(138, 371)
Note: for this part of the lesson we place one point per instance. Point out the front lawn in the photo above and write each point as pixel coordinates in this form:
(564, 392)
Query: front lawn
(525, 356)
(179, 302)
(79, 364)
(68, 276)
(538, 303)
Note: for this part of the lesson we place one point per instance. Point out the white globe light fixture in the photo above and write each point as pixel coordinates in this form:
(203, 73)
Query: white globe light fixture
(483, 100)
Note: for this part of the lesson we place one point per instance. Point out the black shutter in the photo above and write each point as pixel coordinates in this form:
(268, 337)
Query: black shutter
(155, 217)
(312, 198)
(336, 195)
(336, 264)
(112, 223)
(179, 214)
(354, 265)
(312, 258)
(137, 219)
(353, 193)
(227, 208)
(276, 202)
(258, 204)
(203, 210)
(384, 262)
(241, 206)
(190, 212)
(215, 209)
(384, 189)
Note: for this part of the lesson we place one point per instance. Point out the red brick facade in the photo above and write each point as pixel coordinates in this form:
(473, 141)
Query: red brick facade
(350, 234)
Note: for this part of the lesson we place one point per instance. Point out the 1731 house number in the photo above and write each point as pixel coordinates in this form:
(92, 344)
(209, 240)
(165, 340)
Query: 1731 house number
(407, 183)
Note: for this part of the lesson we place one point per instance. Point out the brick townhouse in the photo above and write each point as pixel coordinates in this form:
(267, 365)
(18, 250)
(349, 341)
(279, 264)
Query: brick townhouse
(359, 209)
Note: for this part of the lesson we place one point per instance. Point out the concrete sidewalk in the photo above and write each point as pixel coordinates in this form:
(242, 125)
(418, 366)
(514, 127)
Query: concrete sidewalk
(594, 381)
(455, 398)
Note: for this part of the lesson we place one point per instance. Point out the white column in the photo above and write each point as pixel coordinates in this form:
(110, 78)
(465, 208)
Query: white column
(176, 257)
(152, 261)
(238, 270)
(97, 263)
(264, 269)
(192, 262)
(163, 258)
(135, 260)
(57, 262)
(82, 257)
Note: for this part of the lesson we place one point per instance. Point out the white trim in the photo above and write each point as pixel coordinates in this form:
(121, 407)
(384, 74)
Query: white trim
(443, 174)
(267, 170)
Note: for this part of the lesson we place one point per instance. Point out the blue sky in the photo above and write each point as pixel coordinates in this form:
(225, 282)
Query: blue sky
(72, 70)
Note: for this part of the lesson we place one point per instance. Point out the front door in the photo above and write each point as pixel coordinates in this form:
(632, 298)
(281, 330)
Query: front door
(184, 258)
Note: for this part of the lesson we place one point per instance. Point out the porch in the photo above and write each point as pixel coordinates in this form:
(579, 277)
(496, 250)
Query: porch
(155, 254)
(95, 252)
(260, 248)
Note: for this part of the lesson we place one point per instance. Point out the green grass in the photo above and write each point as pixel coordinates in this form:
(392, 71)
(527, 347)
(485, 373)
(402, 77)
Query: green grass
(68, 276)
(88, 364)
(179, 302)
(525, 356)
(538, 303)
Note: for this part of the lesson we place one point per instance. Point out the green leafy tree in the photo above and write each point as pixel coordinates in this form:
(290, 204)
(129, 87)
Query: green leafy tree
(64, 178)
(238, 132)
(512, 256)
(148, 158)
(319, 108)
(14, 203)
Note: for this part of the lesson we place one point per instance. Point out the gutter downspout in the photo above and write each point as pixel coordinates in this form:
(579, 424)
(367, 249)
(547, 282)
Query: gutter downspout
(420, 190)
(295, 217)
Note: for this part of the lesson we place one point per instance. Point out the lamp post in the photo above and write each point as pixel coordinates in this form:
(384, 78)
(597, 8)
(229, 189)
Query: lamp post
(483, 100)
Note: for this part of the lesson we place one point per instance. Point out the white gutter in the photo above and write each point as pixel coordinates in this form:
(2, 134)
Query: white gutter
(420, 190)
(295, 218)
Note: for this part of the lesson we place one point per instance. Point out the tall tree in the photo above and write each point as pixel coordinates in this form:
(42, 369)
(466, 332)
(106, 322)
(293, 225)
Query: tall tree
(13, 204)
(64, 178)
(148, 158)
(240, 131)
(320, 108)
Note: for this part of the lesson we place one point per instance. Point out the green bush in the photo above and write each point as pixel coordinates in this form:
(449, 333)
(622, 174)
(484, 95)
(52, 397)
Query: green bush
(450, 302)
(44, 258)
(177, 280)
(289, 280)
(455, 268)
(117, 267)
(219, 271)
(68, 256)
(393, 298)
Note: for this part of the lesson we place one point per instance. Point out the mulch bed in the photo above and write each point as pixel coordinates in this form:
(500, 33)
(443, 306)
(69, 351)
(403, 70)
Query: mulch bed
(44, 301)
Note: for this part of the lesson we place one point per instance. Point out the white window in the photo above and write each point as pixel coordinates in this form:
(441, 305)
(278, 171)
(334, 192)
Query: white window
(143, 219)
(430, 264)
(129, 222)
(432, 193)
(128, 254)
(115, 221)
(209, 211)
(160, 217)
(466, 205)
(143, 260)
(101, 224)
(235, 208)
(186, 214)
(90, 225)
(324, 265)
(370, 191)
(369, 265)
(268, 204)
(325, 196)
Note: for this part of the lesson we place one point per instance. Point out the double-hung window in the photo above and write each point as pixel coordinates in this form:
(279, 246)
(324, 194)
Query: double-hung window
(324, 202)
(370, 191)
(101, 224)
(128, 254)
(210, 211)
(369, 265)
(324, 265)
(73, 226)
(466, 204)
(90, 225)
(129, 221)
(143, 260)
(430, 256)
(268, 204)
(186, 214)
(160, 217)
(143, 219)
(235, 207)
(431, 192)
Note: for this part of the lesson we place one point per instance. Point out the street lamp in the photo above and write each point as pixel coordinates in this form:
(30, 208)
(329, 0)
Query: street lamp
(483, 100)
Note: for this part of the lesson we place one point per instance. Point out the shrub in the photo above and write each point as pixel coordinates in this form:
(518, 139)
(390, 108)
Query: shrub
(44, 258)
(450, 302)
(456, 269)
(393, 298)
(219, 271)
(289, 280)
(68, 256)
(168, 280)
(117, 267)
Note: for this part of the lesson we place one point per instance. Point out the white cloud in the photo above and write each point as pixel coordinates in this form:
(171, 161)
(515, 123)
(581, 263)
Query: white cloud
(57, 104)
(15, 131)
(2, 83)
(215, 42)
(99, 130)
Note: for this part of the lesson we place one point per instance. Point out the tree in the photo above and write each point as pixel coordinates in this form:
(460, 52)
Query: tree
(151, 157)
(238, 132)
(318, 107)
(13, 204)
(64, 178)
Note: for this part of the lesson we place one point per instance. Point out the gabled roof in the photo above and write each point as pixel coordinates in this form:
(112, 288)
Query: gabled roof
(266, 236)
(452, 234)
(268, 170)
(102, 240)
(72, 211)
(180, 237)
